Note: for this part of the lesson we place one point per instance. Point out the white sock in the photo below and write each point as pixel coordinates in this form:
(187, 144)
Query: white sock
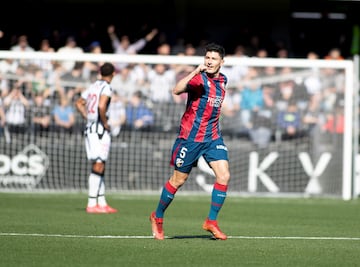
(94, 184)
(101, 196)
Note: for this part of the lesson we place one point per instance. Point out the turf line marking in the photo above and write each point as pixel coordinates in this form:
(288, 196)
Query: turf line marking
(148, 237)
(296, 237)
(79, 236)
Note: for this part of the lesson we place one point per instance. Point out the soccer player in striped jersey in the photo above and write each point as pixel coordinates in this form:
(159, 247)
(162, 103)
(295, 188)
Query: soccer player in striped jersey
(93, 105)
(199, 135)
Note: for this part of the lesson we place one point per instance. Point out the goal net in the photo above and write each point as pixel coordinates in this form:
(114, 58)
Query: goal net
(288, 124)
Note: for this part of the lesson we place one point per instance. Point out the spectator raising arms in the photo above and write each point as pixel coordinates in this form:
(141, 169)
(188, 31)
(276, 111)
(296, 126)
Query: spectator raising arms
(123, 45)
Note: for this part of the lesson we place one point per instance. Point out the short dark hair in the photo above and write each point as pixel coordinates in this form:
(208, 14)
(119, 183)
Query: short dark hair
(107, 69)
(138, 94)
(213, 47)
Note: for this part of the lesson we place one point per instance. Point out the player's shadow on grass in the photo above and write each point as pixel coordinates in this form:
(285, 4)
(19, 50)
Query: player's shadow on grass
(192, 237)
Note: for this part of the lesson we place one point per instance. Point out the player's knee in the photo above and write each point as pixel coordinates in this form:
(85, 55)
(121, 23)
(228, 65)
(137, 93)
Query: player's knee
(223, 178)
(98, 169)
(178, 179)
(97, 172)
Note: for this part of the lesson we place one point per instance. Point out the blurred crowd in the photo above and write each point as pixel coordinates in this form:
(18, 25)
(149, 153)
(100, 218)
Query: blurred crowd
(262, 103)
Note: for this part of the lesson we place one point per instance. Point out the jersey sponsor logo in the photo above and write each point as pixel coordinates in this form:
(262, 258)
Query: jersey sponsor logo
(215, 101)
(221, 147)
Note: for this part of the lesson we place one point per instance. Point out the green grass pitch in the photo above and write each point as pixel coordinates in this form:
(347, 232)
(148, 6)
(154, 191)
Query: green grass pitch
(52, 229)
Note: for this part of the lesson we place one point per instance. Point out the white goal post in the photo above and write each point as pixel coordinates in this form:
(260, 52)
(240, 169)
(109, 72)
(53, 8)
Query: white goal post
(320, 163)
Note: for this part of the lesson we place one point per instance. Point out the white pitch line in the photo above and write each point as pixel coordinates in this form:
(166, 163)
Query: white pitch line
(78, 236)
(296, 237)
(150, 237)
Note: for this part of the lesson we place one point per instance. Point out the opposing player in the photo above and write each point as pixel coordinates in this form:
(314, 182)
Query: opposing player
(199, 135)
(93, 106)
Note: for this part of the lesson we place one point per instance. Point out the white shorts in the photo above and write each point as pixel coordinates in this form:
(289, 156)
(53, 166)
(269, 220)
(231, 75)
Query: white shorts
(97, 143)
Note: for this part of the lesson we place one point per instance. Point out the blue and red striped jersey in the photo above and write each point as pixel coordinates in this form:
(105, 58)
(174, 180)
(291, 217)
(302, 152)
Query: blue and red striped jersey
(200, 121)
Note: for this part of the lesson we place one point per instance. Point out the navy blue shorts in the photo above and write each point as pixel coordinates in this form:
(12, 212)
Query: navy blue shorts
(185, 154)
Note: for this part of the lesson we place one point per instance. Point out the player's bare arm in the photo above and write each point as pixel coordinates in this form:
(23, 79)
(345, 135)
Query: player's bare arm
(180, 87)
(102, 111)
(81, 107)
